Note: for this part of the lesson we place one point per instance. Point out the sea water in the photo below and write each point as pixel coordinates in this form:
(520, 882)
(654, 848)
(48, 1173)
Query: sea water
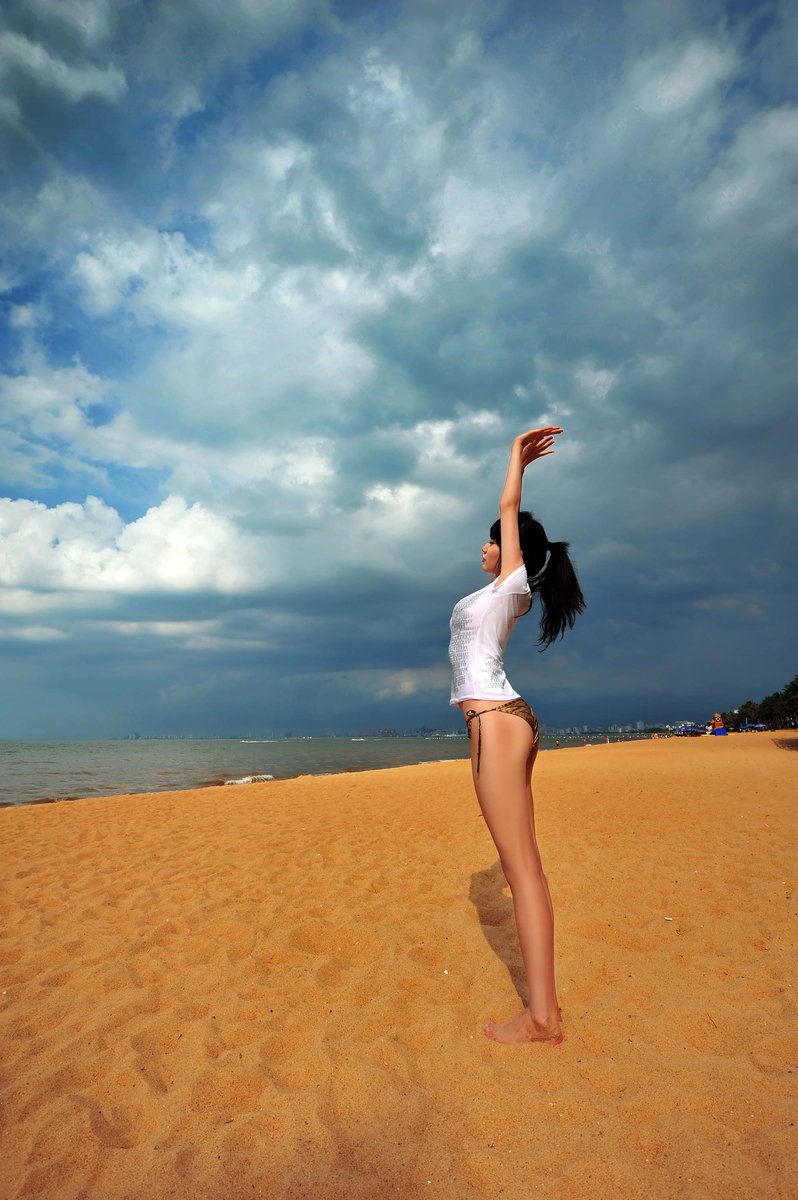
(32, 772)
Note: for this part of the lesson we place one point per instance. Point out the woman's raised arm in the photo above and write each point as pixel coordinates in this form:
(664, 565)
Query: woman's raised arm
(535, 443)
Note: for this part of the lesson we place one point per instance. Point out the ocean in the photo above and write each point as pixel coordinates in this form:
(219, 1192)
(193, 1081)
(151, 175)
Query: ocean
(34, 772)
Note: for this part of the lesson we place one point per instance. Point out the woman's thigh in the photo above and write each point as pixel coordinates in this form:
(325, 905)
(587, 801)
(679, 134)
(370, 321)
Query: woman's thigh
(502, 784)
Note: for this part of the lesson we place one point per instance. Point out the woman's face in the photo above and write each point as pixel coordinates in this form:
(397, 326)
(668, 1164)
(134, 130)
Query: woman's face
(491, 557)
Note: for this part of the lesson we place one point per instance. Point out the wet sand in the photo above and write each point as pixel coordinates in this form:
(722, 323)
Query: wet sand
(279, 990)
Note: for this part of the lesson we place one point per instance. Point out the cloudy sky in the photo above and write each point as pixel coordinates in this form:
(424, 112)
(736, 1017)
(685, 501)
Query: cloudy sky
(281, 279)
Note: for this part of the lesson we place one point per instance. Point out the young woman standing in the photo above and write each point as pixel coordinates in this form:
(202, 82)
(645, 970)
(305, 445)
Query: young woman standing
(503, 729)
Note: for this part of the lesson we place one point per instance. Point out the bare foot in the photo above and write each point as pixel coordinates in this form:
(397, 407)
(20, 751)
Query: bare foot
(524, 1028)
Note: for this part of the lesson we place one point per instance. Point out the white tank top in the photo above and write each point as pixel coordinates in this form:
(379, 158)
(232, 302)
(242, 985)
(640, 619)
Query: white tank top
(481, 624)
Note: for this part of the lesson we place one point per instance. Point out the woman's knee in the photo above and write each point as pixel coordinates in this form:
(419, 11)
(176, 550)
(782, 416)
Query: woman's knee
(520, 868)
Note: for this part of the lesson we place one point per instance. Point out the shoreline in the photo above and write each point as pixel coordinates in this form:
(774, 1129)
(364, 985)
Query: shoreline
(250, 775)
(49, 772)
(280, 988)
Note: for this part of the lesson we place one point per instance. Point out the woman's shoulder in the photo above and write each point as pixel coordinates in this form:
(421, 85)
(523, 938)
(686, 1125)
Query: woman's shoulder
(514, 583)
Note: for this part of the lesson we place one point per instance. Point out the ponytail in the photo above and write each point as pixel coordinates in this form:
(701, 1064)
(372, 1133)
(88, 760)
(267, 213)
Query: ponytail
(555, 582)
(560, 595)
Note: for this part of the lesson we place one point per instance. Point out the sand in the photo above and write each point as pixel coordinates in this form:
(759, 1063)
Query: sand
(279, 990)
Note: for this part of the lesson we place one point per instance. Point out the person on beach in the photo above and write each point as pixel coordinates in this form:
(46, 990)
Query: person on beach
(503, 729)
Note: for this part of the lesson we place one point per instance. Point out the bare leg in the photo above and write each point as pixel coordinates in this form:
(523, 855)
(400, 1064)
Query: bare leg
(503, 791)
(529, 768)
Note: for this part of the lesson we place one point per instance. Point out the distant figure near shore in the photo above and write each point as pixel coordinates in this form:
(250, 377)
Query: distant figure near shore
(718, 728)
(522, 564)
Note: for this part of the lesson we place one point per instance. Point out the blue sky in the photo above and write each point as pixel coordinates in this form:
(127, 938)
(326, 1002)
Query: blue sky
(280, 282)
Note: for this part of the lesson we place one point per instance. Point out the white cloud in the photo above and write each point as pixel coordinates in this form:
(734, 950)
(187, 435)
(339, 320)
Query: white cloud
(48, 419)
(733, 602)
(174, 547)
(161, 277)
(676, 79)
(90, 19)
(595, 381)
(220, 35)
(22, 316)
(194, 634)
(477, 219)
(753, 185)
(35, 633)
(396, 515)
(20, 56)
(61, 213)
(53, 402)
(47, 423)
(643, 147)
(21, 602)
(389, 684)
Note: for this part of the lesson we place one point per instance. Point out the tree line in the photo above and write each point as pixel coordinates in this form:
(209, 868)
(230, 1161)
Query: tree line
(777, 711)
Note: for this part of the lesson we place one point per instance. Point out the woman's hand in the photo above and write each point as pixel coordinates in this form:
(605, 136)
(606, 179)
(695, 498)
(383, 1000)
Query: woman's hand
(535, 443)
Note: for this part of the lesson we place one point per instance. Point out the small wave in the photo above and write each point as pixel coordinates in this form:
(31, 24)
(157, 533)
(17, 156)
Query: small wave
(248, 779)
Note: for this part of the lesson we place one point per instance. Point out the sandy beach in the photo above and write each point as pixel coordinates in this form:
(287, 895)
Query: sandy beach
(279, 990)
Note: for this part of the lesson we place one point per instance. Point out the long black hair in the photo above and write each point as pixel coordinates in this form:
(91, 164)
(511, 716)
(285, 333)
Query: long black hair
(554, 580)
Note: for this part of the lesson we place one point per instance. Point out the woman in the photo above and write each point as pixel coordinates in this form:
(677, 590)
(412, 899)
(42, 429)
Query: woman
(502, 727)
